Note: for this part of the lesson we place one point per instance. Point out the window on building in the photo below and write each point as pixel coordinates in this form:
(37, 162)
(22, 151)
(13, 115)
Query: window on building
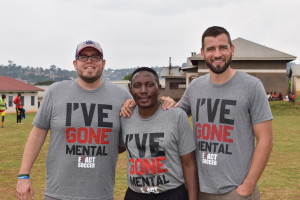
(173, 85)
(32, 100)
(177, 85)
(10, 101)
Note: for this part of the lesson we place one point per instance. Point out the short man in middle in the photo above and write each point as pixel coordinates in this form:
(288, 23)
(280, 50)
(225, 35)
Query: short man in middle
(160, 145)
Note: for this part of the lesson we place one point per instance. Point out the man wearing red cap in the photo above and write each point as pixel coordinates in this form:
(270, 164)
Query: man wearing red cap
(83, 118)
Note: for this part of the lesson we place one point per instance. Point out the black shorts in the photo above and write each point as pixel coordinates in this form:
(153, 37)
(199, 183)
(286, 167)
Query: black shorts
(179, 193)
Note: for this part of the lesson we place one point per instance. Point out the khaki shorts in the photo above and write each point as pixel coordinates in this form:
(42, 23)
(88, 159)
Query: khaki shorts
(232, 195)
(2, 113)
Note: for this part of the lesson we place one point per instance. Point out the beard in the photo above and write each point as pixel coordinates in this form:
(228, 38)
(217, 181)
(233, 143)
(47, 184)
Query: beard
(89, 79)
(218, 69)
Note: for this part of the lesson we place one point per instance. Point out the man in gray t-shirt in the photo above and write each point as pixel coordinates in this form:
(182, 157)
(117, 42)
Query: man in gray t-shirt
(229, 112)
(83, 118)
(160, 145)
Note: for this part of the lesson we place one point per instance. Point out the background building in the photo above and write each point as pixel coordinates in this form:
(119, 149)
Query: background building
(267, 64)
(295, 79)
(11, 87)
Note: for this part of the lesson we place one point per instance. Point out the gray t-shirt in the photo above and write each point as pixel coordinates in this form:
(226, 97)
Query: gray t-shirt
(154, 147)
(223, 116)
(85, 133)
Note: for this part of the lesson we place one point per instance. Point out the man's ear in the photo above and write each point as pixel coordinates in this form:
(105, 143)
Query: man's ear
(103, 63)
(159, 88)
(75, 64)
(202, 53)
(232, 49)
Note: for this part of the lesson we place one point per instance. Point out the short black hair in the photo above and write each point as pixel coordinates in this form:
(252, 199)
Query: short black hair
(215, 31)
(148, 69)
(3, 96)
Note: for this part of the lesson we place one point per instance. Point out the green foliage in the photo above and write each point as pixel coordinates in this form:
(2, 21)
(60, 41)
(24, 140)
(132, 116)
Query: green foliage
(284, 108)
(12, 141)
(38, 74)
(127, 77)
(281, 177)
(45, 83)
(33, 75)
(297, 101)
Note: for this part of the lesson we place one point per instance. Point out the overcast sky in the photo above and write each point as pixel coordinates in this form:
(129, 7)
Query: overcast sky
(41, 33)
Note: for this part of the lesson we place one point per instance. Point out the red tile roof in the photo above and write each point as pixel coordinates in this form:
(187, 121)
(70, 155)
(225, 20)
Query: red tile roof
(14, 85)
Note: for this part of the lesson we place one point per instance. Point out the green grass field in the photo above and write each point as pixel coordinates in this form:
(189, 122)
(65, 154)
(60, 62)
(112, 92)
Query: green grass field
(280, 180)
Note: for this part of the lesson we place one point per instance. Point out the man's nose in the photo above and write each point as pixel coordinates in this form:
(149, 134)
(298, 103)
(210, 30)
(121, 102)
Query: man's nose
(217, 53)
(143, 88)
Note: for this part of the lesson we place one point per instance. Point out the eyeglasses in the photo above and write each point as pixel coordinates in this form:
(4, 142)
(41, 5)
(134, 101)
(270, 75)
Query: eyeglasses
(86, 58)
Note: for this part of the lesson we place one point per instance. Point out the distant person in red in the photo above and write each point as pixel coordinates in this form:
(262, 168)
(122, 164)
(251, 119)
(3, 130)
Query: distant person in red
(19, 107)
(292, 97)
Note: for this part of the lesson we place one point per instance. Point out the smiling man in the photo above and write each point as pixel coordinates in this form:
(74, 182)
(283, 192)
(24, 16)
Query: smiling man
(160, 145)
(83, 118)
(89, 63)
(230, 111)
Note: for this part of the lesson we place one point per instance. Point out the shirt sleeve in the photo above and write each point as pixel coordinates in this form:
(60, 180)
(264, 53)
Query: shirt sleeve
(184, 102)
(260, 110)
(186, 140)
(42, 119)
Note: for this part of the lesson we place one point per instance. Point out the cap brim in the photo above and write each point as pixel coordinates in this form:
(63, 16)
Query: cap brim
(89, 47)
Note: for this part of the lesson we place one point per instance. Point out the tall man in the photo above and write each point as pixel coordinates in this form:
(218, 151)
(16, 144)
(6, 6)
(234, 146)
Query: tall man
(160, 145)
(83, 118)
(230, 111)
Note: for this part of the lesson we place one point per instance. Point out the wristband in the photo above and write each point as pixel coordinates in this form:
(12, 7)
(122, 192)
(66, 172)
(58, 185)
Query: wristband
(23, 176)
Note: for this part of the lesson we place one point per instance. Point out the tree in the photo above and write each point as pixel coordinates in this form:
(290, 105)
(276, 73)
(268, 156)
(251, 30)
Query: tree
(10, 63)
(45, 83)
(53, 68)
(127, 77)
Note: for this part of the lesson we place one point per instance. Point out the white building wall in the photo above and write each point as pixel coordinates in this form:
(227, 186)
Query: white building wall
(296, 85)
(28, 97)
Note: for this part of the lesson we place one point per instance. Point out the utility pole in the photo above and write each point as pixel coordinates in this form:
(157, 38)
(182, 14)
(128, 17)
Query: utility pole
(170, 65)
